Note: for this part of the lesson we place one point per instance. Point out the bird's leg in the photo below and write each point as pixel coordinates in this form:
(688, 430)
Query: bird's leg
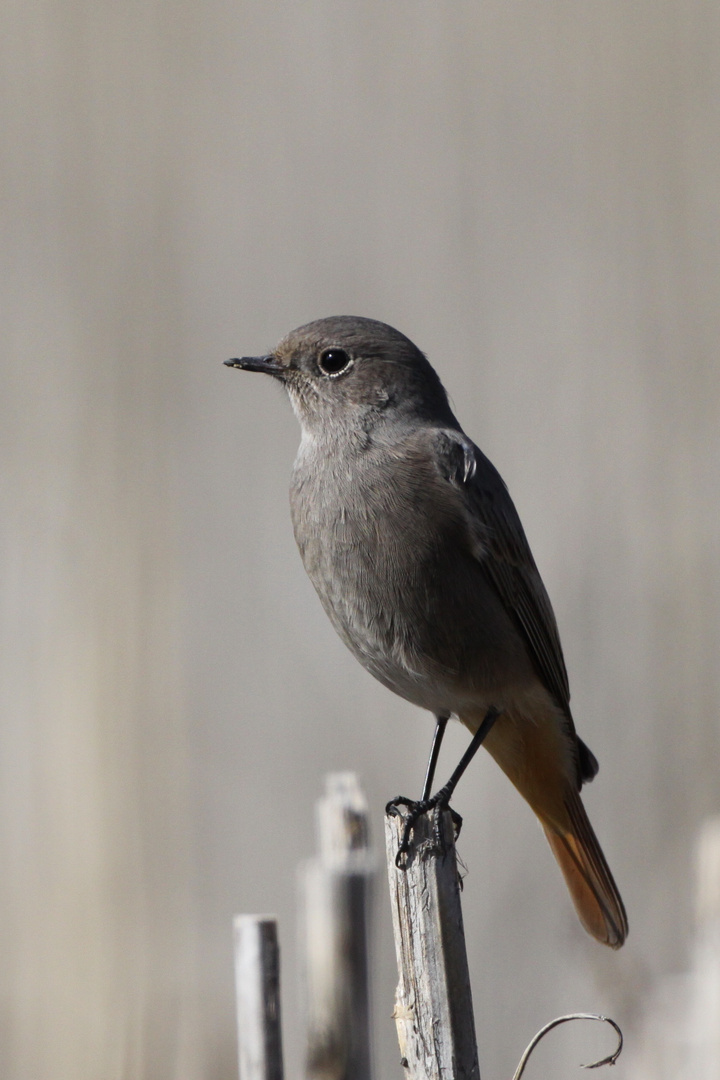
(440, 725)
(441, 799)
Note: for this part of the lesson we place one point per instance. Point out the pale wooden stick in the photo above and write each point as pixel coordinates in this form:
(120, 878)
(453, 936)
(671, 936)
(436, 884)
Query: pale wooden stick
(334, 899)
(433, 1004)
(257, 980)
(702, 1037)
(341, 817)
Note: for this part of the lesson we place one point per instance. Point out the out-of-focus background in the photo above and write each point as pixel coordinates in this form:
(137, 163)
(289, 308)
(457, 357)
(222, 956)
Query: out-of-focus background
(528, 190)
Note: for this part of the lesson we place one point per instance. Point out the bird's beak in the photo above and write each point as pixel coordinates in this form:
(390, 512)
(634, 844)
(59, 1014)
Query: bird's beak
(268, 364)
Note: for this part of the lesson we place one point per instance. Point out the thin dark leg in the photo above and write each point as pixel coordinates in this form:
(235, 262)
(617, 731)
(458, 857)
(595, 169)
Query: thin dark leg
(441, 799)
(440, 725)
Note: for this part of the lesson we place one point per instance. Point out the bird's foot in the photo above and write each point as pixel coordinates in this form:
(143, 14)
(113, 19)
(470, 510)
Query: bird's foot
(416, 808)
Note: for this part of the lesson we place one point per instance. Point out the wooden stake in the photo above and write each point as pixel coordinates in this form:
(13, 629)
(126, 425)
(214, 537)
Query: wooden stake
(257, 980)
(334, 900)
(433, 1003)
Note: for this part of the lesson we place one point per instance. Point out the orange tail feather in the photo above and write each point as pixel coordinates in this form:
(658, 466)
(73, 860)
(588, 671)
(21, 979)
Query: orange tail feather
(587, 875)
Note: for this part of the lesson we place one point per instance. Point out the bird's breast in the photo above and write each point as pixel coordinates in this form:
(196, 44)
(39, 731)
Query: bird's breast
(386, 547)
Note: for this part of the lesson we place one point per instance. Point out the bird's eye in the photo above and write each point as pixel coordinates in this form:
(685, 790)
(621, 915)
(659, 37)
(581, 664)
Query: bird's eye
(333, 361)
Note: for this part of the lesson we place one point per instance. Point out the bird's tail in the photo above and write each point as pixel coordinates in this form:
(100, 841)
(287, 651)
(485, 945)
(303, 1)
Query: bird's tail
(587, 874)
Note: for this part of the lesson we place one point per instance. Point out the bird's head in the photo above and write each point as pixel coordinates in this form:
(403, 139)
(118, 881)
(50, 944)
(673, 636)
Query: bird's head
(349, 372)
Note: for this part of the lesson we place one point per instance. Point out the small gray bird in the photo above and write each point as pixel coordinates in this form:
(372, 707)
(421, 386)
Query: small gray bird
(417, 553)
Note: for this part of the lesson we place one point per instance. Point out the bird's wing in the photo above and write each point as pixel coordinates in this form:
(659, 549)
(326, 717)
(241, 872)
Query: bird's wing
(500, 545)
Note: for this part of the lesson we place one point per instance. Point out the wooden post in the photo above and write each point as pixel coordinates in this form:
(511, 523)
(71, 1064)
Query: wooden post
(334, 900)
(702, 1038)
(257, 980)
(433, 1003)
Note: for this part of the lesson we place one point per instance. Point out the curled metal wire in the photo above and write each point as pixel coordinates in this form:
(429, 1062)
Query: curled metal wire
(610, 1060)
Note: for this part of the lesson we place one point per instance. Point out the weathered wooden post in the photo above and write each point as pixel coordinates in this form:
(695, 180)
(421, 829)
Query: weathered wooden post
(433, 1002)
(702, 1037)
(335, 889)
(257, 982)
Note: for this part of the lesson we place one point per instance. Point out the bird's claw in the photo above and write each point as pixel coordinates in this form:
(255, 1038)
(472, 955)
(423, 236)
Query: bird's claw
(416, 809)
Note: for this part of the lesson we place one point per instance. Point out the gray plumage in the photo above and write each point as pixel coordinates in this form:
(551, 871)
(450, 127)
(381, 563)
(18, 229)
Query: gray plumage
(417, 553)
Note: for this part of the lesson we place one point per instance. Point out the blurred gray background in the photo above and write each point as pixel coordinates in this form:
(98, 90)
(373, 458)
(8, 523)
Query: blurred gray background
(528, 190)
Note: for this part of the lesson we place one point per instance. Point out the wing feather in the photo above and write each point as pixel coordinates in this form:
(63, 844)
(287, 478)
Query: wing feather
(501, 546)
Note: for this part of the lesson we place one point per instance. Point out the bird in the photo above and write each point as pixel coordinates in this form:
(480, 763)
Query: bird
(412, 541)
